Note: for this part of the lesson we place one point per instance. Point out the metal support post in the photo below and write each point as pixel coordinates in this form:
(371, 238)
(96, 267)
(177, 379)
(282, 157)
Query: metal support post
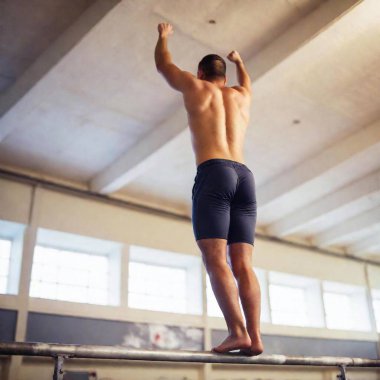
(343, 374)
(58, 368)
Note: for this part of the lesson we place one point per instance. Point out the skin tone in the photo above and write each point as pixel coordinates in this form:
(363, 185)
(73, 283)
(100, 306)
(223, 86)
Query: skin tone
(218, 118)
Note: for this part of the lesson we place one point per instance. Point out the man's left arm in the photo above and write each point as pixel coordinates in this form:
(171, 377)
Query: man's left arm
(178, 79)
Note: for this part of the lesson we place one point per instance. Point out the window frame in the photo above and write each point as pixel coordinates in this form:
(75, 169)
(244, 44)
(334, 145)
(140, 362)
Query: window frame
(14, 233)
(357, 301)
(75, 243)
(164, 258)
(314, 312)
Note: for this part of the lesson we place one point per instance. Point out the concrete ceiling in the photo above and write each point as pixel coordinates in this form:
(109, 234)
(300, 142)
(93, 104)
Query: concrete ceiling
(85, 104)
(30, 27)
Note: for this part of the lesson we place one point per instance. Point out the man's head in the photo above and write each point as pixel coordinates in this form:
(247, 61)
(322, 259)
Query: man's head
(212, 67)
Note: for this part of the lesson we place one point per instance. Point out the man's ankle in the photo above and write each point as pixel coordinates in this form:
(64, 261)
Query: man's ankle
(254, 332)
(239, 331)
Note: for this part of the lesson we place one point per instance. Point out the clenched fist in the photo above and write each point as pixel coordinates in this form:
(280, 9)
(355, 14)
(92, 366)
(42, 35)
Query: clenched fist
(234, 57)
(164, 29)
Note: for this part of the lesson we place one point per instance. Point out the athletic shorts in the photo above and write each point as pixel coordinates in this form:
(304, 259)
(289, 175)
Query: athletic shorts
(224, 202)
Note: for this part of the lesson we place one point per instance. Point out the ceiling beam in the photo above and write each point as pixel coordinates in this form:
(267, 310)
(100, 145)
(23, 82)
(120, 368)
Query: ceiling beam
(311, 174)
(364, 187)
(367, 220)
(130, 164)
(366, 245)
(140, 157)
(46, 61)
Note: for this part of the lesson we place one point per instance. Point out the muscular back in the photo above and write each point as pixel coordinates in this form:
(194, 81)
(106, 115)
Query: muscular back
(218, 118)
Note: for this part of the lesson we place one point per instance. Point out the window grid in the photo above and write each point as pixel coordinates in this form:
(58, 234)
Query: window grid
(213, 309)
(288, 305)
(376, 310)
(157, 287)
(5, 261)
(338, 310)
(70, 276)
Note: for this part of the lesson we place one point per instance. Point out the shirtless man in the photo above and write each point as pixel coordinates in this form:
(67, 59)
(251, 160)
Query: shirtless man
(223, 195)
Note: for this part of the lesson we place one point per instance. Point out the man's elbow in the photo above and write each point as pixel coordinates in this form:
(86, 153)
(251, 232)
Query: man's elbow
(247, 85)
(159, 66)
(246, 89)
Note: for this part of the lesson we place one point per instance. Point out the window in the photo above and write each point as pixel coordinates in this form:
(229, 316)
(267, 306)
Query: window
(11, 243)
(155, 287)
(376, 307)
(295, 300)
(5, 258)
(213, 309)
(262, 277)
(346, 307)
(74, 268)
(338, 310)
(164, 281)
(69, 276)
(288, 305)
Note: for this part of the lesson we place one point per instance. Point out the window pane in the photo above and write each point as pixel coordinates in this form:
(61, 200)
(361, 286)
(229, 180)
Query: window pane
(376, 308)
(78, 277)
(213, 309)
(3, 284)
(69, 276)
(71, 293)
(288, 305)
(4, 267)
(37, 271)
(155, 287)
(98, 279)
(5, 256)
(338, 311)
(5, 249)
(98, 296)
(41, 290)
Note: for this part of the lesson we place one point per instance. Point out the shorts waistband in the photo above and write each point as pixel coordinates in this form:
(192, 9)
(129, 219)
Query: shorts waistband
(220, 161)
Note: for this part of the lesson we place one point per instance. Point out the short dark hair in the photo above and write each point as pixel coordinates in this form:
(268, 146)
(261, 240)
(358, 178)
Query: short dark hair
(213, 66)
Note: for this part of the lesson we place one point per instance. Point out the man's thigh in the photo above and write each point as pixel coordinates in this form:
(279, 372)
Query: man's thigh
(212, 194)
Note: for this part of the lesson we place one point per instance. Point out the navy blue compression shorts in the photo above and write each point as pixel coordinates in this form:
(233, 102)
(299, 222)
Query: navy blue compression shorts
(224, 202)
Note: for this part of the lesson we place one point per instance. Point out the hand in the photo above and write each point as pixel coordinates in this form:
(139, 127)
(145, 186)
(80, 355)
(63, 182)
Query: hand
(234, 57)
(165, 29)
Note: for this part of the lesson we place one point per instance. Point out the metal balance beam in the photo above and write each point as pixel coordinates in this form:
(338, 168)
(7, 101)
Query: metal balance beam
(63, 351)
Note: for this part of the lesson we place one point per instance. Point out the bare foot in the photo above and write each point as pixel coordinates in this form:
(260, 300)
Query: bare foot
(255, 349)
(232, 343)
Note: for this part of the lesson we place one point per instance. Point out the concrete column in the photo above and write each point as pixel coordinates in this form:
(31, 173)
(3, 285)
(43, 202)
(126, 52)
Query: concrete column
(207, 367)
(124, 275)
(29, 241)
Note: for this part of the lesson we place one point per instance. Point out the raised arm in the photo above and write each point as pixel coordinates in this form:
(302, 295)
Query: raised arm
(242, 75)
(178, 79)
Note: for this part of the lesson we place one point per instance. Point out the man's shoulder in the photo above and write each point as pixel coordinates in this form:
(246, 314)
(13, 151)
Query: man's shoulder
(192, 81)
(241, 90)
(237, 88)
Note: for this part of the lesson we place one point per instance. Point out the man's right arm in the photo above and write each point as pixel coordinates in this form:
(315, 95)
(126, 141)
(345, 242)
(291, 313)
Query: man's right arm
(178, 79)
(242, 75)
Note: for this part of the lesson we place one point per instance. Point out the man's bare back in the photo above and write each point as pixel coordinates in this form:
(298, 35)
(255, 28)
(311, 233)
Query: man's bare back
(218, 118)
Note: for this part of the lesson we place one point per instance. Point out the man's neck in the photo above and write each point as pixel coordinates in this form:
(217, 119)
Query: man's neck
(218, 82)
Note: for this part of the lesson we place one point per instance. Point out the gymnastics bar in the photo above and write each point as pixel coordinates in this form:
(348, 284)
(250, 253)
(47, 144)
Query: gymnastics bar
(64, 351)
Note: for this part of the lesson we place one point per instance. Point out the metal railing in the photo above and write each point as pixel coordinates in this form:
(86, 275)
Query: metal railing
(60, 352)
